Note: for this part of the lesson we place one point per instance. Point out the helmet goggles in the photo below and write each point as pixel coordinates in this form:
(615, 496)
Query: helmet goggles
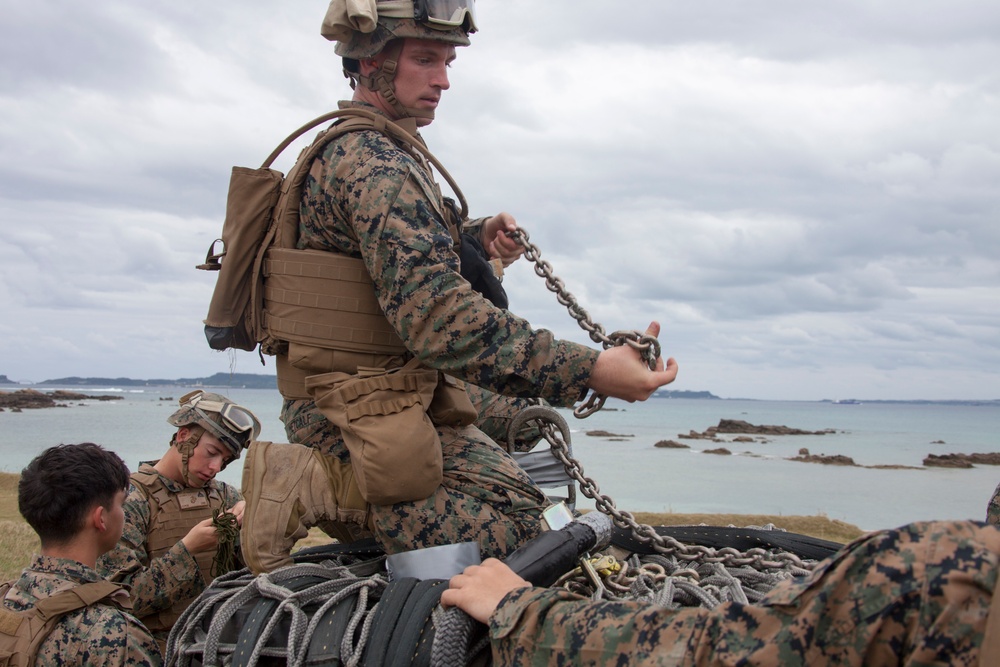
(235, 418)
(446, 13)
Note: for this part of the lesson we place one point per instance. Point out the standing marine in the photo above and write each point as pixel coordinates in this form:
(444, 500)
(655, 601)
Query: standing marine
(383, 433)
(170, 547)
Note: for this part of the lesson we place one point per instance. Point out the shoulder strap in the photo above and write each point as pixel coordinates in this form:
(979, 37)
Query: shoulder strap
(283, 229)
(376, 122)
(22, 633)
(79, 597)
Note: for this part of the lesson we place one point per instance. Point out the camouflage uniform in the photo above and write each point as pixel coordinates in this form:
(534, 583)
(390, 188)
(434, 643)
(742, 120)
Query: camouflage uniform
(917, 595)
(368, 197)
(496, 413)
(155, 584)
(100, 634)
(993, 510)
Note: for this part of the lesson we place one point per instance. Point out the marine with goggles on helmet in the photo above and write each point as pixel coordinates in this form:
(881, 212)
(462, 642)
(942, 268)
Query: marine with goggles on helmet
(170, 542)
(371, 196)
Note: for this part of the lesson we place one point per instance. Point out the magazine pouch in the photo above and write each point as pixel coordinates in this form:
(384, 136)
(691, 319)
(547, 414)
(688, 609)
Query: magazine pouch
(383, 415)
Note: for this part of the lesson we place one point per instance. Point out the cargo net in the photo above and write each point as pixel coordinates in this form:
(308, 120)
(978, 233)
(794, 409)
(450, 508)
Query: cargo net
(336, 605)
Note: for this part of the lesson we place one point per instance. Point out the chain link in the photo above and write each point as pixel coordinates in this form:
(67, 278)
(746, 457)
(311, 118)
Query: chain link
(558, 438)
(556, 432)
(647, 346)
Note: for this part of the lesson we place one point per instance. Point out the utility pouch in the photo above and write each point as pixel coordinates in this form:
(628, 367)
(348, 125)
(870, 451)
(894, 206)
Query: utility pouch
(383, 415)
(451, 405)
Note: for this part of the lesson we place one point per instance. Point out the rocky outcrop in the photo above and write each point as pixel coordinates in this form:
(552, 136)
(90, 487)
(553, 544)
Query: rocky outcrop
(30, 399)
(825, 459)
(608, 434)
(743, 428)
(721, 450)
(962, 460)
(671, 444)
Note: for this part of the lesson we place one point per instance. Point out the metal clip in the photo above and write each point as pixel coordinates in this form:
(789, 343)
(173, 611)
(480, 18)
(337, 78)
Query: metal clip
(588, 569)
(606, 565)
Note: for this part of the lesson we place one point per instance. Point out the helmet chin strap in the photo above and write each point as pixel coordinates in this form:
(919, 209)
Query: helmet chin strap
(186, 448)
(382, 82)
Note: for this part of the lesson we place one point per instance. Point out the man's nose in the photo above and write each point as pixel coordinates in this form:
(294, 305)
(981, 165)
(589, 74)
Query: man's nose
(441, 78)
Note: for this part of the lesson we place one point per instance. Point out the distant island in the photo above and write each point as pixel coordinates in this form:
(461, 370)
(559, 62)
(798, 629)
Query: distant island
(265, 381)
(672, 393)
(241, 380)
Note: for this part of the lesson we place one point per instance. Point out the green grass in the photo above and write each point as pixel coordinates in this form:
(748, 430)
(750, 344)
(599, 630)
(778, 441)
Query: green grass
(18, 542)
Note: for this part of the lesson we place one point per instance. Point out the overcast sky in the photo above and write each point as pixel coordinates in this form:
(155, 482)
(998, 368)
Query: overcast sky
(805, 195)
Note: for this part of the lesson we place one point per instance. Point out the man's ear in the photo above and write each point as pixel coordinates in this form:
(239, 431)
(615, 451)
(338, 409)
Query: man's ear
(368, 66)
(98, 518)
(182, 434)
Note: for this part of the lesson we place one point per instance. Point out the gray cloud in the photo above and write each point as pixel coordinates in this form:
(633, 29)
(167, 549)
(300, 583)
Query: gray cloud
(805, 196)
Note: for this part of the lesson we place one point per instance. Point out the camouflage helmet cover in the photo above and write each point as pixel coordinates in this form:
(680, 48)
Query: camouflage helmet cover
(362, 28)
(232, 424)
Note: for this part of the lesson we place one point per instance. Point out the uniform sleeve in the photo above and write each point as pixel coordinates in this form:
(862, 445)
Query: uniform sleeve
(100, 635)
(231, 495)
(442, 320)
(155, 584)
(539, 626)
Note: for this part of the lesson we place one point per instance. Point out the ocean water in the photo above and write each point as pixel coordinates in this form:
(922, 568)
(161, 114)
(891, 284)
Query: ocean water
(756, 479)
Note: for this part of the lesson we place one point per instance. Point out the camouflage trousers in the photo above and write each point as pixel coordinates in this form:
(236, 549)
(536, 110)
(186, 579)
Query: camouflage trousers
(496, 413)
(484, 497)
(917, 595)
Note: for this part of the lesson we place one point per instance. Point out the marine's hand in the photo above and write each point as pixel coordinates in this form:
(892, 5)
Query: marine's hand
(495, 239)
(203, 537)
(237, 510)
(479, 589)
(620, 372)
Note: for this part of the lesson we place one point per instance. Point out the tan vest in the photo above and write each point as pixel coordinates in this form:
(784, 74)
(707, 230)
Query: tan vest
(171, 516)
(319, 307)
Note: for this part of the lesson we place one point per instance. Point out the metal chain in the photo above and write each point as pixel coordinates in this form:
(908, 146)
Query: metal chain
(547, 419)
(555, 430)
(647, 346)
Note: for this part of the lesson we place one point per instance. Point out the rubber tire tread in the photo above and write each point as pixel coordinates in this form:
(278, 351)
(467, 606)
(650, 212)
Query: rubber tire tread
(412, 641)
(250, 633)
(331, 634)
(384, 621)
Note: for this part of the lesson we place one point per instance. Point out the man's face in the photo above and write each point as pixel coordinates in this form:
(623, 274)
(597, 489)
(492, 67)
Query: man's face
(422, 74)
(207, 459)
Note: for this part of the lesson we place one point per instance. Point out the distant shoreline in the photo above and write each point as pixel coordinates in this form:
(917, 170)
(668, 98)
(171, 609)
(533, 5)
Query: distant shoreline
(266, 381)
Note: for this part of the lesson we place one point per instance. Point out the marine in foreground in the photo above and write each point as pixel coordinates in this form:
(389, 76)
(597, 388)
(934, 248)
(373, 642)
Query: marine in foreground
(72, 496)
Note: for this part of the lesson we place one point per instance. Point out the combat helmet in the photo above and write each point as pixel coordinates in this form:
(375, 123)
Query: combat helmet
(365, 28)
(233, 425)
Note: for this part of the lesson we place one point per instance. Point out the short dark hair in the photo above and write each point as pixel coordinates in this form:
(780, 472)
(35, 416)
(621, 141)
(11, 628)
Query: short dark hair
(64, 483)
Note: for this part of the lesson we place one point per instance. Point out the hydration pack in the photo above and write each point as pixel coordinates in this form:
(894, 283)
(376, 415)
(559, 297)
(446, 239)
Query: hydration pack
(22, 632)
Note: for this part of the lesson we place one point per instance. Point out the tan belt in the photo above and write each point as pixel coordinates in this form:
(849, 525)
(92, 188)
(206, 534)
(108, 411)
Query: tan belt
(303, 361)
